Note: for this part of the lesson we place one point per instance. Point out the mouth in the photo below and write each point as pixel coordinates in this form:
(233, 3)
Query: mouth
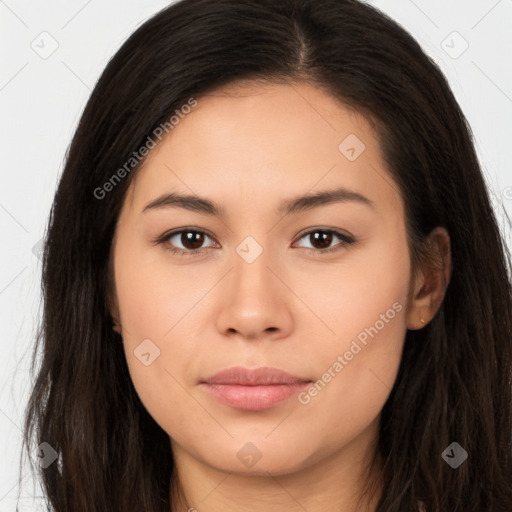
(254, 390)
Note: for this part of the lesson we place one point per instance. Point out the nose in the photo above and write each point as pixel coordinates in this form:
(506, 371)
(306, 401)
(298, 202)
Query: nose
(255, 302)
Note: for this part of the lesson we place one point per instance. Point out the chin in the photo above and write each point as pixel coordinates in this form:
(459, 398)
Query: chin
(255, 456)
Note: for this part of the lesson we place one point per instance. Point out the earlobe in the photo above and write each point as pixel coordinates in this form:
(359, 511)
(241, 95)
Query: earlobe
(113, 308)
(418, 318)
(114, 313)
(116, 324)
(432, 281)
(112, 304)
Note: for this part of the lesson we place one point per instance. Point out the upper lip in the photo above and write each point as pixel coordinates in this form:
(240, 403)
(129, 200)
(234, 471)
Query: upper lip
(259, 376)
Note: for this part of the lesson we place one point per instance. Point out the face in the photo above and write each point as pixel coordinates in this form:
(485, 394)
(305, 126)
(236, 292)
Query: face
(246, 274)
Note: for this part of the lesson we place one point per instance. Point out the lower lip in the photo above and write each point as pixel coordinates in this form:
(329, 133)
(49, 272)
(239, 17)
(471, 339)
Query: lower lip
(254, 398)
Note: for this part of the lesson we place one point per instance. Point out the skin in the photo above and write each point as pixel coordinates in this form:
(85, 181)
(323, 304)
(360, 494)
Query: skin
(248, 148)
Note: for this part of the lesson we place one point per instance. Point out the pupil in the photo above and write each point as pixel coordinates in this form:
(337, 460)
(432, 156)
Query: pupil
(192, 238)
(321, 236)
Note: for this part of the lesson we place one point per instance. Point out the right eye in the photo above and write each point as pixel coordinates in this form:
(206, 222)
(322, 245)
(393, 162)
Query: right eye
(190, 239)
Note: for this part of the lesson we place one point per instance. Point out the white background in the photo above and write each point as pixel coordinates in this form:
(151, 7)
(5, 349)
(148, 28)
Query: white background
(41, 100)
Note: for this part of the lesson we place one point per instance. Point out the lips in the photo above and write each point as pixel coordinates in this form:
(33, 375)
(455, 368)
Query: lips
(256, 389)
(260, 376)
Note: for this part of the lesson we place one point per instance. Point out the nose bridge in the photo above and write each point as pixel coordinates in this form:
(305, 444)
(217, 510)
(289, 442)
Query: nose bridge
(254, 302)
(251, 263)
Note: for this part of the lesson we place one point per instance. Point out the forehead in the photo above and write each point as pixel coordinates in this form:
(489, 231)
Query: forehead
(246, 142)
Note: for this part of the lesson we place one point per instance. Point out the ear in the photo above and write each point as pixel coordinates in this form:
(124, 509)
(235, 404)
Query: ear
(114, 310)
(112, 303)
(431, 282)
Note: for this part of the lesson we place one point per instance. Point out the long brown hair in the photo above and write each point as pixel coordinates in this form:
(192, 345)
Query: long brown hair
(454, 382)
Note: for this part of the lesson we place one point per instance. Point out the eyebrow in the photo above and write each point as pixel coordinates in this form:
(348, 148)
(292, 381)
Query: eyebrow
(286, 207)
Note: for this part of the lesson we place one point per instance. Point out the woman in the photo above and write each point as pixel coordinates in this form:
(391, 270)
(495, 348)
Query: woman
(273, 278)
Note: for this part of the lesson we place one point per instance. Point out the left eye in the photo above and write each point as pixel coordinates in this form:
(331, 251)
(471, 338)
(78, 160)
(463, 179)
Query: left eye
(192, 241)
(325, 237)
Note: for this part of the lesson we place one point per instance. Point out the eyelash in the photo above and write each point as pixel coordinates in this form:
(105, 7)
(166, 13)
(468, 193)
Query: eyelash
(346, 240)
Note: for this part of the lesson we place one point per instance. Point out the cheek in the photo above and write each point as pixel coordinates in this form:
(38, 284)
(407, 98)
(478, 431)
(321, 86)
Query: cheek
(353, 384)
(153, 305)
(353, 294)
(152, 297)
(357, 363)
